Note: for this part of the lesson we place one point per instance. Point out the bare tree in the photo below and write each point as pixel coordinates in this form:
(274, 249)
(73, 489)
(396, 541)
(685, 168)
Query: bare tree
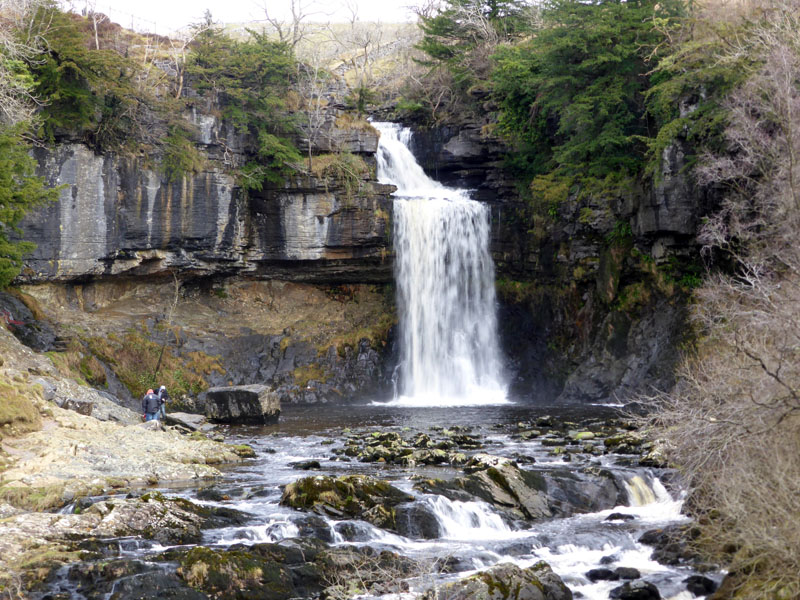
(96, 18)
(359, 46)
(732, 422)
(168, 313)
(294, 30)
(312, 82)
(22, 40)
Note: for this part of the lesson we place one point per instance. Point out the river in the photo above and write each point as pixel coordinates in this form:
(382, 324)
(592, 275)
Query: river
(472, 532)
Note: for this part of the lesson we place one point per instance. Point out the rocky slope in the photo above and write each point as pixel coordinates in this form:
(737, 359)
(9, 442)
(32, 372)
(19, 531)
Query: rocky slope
(51, 456)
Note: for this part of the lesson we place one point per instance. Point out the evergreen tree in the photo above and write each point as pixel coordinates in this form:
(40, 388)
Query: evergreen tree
(251, 80)
(84, 90)
(20, 189)
(573, 96)
(462, 36)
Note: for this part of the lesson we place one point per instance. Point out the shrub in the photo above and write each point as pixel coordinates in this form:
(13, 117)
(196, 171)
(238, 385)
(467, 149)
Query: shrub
(731, 424)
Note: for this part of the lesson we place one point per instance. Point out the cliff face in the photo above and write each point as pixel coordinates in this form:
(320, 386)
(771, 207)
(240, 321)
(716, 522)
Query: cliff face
(592, 291)
(118, 216)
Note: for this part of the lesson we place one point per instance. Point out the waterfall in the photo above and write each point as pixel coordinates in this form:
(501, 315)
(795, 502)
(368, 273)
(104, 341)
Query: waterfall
(449, 353)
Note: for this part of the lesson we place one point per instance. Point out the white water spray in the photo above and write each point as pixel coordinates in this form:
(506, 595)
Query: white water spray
(445, 283)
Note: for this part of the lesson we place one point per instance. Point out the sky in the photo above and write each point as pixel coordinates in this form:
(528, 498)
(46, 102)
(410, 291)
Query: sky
(166, 16)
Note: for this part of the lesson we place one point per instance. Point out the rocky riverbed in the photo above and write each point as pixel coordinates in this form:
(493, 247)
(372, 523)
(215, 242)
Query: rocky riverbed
(358, 499)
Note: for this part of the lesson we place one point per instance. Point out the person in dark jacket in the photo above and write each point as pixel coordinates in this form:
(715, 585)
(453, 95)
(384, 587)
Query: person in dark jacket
(150, 406)
(163, 396)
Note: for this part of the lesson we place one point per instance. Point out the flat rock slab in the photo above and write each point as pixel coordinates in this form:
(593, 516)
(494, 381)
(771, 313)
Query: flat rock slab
(188, 420)
(255, 404)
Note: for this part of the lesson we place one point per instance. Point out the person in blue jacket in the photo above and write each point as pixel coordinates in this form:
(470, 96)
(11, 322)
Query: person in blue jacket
(150, 406)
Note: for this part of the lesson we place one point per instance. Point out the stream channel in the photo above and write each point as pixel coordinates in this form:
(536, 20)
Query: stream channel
(468, 535)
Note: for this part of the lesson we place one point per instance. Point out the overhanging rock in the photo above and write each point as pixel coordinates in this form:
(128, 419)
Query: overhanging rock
(253, 404)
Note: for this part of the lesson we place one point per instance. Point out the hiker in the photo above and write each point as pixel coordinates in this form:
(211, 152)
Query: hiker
(163, 396)
(150, 406)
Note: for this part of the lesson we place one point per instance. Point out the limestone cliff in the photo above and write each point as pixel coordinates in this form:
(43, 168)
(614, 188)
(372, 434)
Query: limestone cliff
(118, 216)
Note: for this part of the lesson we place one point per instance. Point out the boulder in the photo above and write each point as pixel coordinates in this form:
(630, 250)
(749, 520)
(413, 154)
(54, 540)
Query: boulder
(351, 496)
(699, 585)
(529, 494)
(504, 582)
(602, 575)
(635, 590)
(254, 404)
(628, 573)
(417, 521)
(153, 425)
(521, 494)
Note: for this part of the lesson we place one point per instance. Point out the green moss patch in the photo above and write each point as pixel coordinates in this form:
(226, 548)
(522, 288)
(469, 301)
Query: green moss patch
(37, 499)
(235, 574)
(18, 411)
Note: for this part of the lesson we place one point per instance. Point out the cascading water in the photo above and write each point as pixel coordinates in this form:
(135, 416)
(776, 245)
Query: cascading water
(445, 285)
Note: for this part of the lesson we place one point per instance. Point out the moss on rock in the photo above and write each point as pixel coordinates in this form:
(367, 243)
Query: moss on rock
(235, 573)
(356, 496)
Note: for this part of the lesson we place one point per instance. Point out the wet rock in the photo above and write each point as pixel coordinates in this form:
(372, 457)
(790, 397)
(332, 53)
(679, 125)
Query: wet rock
(620, 517)
(625, 443)
(479, 462)
(700, 585)
(670, 544)
(635, 590)
(314, 527)
(256, 404)
(552, 442)
(353, 496)
(591, 489)
(627, 573)
(505, 582)
(305, 465)
(602, 575)
(238, 572)
(417, 521)
(467, 442)
(123, 579)
(519, 493)
(212, 494)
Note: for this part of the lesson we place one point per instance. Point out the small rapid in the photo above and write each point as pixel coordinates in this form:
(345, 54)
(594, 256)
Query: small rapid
(445, 286)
